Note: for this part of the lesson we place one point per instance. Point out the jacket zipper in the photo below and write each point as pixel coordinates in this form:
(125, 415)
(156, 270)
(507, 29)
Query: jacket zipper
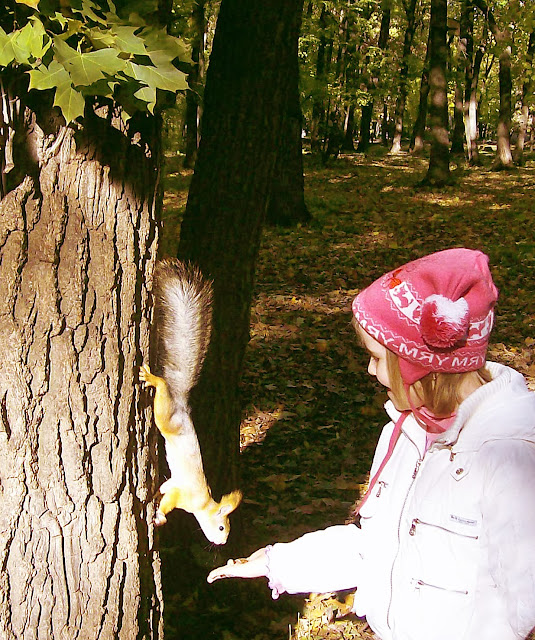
(414, 474)
(380, 484)
(412, 530)
(421, 583)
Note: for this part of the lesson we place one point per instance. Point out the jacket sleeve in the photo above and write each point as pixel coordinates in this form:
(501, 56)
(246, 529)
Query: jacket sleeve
(321, 562)
(509, 519)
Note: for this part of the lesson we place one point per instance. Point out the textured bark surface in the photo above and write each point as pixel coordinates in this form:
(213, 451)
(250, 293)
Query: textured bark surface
(77, 454)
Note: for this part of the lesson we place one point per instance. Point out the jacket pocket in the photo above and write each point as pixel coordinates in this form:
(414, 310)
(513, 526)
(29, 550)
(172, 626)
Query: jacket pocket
(463, 533)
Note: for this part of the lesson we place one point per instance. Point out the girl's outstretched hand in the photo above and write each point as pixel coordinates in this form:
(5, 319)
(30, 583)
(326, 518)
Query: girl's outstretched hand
(254, 566)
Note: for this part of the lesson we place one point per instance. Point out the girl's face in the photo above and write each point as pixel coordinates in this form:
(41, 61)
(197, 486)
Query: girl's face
(378, 367)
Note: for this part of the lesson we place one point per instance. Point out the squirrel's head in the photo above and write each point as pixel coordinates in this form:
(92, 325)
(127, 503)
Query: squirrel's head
(214, 521)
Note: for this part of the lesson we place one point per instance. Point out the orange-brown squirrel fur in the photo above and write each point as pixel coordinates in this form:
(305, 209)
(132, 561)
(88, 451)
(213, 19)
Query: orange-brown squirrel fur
(183, 300)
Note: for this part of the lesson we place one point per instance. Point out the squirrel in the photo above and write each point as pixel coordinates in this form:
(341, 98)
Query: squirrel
(183, 309)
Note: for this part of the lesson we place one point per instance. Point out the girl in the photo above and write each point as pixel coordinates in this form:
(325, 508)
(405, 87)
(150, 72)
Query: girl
(444, 547)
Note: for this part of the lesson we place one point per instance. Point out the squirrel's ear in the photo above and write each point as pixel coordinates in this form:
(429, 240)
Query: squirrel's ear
(229, 502)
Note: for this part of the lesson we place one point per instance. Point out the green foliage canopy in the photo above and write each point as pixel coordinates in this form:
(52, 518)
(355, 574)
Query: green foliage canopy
(85, 48)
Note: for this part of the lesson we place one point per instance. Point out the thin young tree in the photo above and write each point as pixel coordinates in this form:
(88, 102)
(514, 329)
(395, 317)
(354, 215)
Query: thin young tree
(195, 82)
(504, 156)
(438, 173)
(527, 91)
(367, 109)
(418, 131)
(410, 8)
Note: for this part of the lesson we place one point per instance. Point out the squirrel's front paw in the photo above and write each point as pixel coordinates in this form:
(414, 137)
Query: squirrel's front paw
(159, 519)
(146, 376)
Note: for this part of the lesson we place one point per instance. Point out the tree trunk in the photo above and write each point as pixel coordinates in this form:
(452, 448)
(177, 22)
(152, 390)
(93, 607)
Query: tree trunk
(418, 132)
(365, 124)
(287, 206)
(349, 129)
(526, 92)
(457, 138)
(471, 77)
(228, 198)
(77, 461)
(410, 12)
(504, 156)
(195, 81)
(438, 173)
(317, 124)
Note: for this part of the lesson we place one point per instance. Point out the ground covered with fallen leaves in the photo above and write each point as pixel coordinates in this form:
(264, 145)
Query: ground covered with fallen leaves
(311, 413)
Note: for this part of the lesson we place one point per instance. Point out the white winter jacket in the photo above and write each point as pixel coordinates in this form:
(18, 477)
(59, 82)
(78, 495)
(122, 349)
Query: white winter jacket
(446, 548)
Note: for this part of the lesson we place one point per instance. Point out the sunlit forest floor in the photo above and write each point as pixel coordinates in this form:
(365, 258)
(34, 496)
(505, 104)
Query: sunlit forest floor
(311, 413)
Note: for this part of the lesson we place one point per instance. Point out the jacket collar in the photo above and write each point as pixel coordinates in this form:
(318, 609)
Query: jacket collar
(481, 410)
(504, 408)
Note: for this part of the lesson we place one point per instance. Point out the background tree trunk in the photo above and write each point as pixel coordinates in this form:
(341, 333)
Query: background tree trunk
(438, 172)
(195, 81)
(504, 156)
(410, 12)
(77, 461)
(418, 132)
(471, 77)
(287, 198)
(526, 92)
(244, 122)
(457, 137)
(317, 124)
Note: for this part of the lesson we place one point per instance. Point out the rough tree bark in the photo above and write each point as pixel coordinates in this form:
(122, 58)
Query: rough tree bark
(77, 455)
(438, 173)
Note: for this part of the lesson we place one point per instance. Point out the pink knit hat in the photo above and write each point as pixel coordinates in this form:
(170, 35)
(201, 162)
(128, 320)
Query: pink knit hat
(436, 312)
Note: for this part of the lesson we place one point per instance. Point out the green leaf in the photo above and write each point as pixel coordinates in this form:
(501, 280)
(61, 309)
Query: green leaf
(167, 78)
(100, 38)
(88, 12)
(70, 101)
(59, 17)
(86, 68)
(30, 3)
(126, 40)
(21, 41)
(163, 48)
(148, 95)
(39, 42)
(43, 77)
(7, 54)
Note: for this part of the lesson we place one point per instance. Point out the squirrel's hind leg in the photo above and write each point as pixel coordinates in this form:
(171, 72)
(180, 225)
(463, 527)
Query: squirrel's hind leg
(163, 404)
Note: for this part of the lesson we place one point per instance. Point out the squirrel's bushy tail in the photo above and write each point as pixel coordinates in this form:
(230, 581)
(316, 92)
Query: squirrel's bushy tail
(183, 307)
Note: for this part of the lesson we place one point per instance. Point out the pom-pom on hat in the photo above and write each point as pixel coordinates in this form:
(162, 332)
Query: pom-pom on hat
(436, 312)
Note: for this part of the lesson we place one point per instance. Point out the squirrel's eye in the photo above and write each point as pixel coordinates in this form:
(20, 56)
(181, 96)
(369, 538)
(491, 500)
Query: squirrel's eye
(221, 528)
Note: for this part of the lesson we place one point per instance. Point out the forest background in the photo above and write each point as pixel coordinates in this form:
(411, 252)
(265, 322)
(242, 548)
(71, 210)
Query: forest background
(388, 91)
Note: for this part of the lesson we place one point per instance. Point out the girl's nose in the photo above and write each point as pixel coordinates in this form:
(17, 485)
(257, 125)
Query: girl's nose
(372, 367)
